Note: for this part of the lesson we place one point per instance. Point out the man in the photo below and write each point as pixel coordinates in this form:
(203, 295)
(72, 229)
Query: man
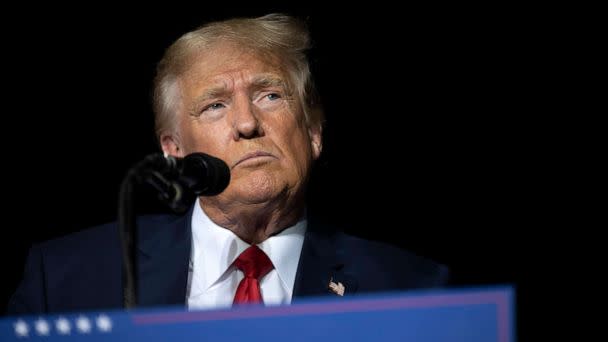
(239, 90)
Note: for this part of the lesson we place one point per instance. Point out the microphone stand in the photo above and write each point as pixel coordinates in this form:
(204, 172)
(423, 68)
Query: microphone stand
(143, 172)
(128, 235)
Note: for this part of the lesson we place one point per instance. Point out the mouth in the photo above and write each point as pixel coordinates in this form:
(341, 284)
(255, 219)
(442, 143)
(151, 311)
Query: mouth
(254, 157)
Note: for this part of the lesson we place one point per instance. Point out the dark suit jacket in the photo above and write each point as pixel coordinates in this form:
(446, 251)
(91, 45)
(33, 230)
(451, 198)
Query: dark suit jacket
(82, 271)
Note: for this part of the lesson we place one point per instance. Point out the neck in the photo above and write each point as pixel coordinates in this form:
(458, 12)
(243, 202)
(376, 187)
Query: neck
(254, 223)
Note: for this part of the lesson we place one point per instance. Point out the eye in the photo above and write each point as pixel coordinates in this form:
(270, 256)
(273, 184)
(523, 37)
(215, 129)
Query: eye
(214, 106)
(270, 100)
(273, 96)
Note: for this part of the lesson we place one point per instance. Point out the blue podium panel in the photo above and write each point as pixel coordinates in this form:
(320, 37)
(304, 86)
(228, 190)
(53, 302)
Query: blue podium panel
(470, 315)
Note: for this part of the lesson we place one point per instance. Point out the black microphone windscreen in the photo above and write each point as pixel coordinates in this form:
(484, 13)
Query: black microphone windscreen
(204, 175)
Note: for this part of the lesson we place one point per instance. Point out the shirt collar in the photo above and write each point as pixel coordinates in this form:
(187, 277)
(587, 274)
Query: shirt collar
(215, 248)
(284, 250)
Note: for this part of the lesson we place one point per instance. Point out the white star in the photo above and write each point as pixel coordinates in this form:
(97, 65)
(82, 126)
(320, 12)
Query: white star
(63, 326)
(21, 328)
(42, 327)
(104, 323)
(83, 324)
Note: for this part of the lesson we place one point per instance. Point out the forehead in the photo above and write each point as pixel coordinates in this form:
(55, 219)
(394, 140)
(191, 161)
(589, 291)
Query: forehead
(225, 63)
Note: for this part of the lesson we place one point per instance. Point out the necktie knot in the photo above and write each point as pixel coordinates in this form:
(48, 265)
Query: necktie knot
(255, 264)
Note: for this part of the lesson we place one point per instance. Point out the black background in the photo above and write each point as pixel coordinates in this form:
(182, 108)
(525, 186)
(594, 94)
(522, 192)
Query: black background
(437, 137)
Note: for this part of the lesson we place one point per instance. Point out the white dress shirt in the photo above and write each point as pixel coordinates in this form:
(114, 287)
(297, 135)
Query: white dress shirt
(213, 280)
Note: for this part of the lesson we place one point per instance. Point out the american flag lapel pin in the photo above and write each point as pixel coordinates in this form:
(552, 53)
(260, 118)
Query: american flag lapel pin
(336, 288)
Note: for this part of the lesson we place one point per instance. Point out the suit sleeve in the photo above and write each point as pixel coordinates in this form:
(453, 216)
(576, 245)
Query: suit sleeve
(29, 298)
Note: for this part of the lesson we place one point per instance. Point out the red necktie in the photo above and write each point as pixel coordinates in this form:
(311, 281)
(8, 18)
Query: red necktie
(255, 264)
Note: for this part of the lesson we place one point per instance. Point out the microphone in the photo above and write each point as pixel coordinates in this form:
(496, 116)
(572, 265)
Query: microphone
(176, 180)
(200, 173)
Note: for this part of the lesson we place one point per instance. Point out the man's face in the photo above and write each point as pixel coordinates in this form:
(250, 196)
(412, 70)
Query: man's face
(235, 106)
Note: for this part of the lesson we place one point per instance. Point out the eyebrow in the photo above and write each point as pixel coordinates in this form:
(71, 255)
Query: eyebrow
(267, 81)
(211, 93)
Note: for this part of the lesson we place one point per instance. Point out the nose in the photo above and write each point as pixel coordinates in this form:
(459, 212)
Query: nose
(245, 120)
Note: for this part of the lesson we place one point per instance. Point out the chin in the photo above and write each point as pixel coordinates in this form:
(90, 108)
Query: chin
(258, 189)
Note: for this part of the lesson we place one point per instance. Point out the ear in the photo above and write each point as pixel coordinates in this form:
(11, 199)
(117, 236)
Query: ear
(171, 145)
(316, 140)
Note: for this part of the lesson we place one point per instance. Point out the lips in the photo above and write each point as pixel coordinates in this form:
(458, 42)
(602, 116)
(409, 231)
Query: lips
(252, 155)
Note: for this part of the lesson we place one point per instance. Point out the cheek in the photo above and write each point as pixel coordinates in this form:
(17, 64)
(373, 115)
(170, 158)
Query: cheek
(190, 139)
(203, 138)
(298, 144)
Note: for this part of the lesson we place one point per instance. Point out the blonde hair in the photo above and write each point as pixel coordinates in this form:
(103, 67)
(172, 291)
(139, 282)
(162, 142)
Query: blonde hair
(275, 35)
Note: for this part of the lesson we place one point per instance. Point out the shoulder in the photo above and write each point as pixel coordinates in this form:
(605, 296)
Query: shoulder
(104, 237)
(79, 270)
(384, 262)
(379, 266)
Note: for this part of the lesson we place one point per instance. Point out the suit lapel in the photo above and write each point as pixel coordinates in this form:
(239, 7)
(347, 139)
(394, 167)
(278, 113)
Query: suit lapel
(322, 261)
(163, 261)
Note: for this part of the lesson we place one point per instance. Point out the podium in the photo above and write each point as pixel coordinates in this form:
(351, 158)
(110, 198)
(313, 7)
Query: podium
(467, 314)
